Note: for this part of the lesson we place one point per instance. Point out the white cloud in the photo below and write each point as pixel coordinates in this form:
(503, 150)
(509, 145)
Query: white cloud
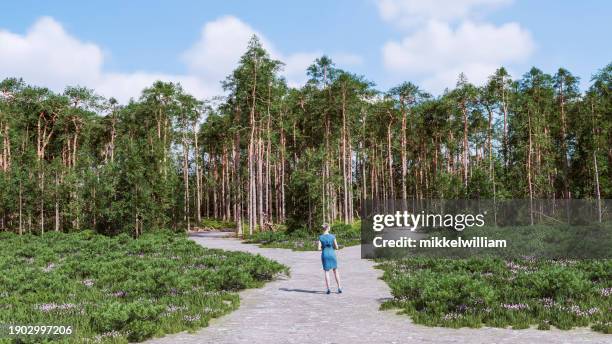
(446, 37)
(219, 47)
(412, 13)
(437, 53)
(47, 55)
(224, 40)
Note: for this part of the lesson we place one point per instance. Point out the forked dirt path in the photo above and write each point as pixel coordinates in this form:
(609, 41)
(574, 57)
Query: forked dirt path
(295, 310)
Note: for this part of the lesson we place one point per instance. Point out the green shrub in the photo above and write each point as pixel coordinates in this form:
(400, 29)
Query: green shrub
(139, 330)
(109, 316)
(301, 239)
(216, 224)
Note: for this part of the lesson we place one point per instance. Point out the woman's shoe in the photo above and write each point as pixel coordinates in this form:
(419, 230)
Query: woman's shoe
(339, 290)
(328, 292)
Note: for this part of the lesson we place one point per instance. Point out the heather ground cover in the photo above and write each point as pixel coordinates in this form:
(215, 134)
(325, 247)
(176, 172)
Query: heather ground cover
(119, 289)
(502, 293)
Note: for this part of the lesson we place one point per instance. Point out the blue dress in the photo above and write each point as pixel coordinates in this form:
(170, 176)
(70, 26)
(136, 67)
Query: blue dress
(328, 254)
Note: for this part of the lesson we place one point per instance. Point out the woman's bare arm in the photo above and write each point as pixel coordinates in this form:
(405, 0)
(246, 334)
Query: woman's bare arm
(319, 246)
(336, 244)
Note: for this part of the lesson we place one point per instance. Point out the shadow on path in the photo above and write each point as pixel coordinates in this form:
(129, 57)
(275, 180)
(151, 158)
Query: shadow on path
(384, 299)
(303, 291)
(212, 234)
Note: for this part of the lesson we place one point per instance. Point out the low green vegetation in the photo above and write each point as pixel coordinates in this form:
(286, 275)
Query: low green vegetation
(304, 240)
(119, 289)
(211, 224)
(499, 293)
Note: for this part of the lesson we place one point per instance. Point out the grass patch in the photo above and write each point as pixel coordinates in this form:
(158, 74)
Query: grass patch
(498, 293)
(304, 240)
(119, 289)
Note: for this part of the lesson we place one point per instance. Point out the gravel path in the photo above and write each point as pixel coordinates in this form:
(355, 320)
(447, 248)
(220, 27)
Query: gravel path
(295, 310)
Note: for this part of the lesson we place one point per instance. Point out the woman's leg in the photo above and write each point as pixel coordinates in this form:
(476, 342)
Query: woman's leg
(337, 276)
(326, 279)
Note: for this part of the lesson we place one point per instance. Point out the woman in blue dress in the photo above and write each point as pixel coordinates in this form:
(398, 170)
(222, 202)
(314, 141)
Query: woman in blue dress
(328, 246)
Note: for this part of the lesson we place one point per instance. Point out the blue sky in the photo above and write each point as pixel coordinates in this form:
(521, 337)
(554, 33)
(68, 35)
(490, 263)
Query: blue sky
(118, 47)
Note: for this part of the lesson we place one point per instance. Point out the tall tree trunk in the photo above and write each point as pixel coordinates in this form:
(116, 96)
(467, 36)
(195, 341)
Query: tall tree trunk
(566, 192)
(466, 151)
(260, 191)
(186, 217)
(345, 178)
(282, 174)
(595, 167)
(228, 198)
(350, 178)
(223, 183)
(215, 186)
(198, 205)
(390, 161)
(505, 111)
(403, 158)
(252, 208)
(238, 178)
(363, 160)
(529, 183)
(489, 142)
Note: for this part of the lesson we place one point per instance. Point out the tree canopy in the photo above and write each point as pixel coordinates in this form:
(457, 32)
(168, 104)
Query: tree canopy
(269, 153)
